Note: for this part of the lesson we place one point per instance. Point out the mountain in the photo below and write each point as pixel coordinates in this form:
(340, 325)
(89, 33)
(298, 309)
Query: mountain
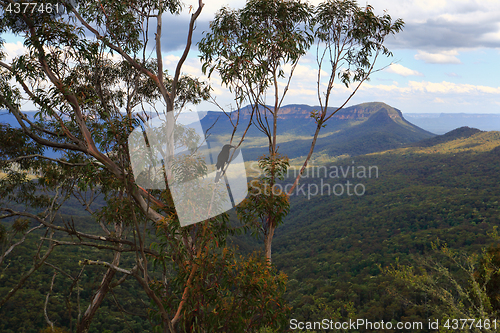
(459, 133)
(296, 118)
(445, 122)
(330, 246)
(381, 129)
(355, 130)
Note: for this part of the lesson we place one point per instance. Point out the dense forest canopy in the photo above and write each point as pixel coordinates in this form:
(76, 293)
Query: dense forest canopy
(86, 248)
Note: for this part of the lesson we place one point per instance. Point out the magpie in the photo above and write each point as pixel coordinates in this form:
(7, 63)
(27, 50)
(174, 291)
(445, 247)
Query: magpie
(222, 160)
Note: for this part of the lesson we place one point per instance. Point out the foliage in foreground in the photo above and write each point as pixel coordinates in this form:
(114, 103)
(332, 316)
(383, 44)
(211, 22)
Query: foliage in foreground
(459, 286)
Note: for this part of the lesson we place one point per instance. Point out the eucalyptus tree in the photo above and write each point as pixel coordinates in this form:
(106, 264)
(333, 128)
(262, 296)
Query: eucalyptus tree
(255, 51)
(88, 67)
(249, 48)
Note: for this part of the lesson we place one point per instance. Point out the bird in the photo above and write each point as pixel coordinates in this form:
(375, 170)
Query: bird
(222, 160)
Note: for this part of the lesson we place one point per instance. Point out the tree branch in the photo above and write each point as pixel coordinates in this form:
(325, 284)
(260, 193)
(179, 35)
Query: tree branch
(28, 274)
(13, 246)
(15, 111)
(175, 79)
(44, 157)
(47, 319)
(76, 233)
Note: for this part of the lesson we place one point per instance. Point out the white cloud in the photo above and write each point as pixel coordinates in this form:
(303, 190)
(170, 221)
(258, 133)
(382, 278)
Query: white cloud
(170, 60)
(402, 70)
(427, 96)
(445, 57)
(211, 7)
(449, 88)
(430, 25)
(191, 66)
(434, 25)
(441, 88)
(13, 50)
(302, 92)
(490, 37)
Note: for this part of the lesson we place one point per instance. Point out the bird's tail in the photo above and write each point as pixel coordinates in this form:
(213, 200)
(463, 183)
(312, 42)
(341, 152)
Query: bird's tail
(217, 176)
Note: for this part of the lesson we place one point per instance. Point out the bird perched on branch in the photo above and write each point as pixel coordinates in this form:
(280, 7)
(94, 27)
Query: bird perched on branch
(222, 160)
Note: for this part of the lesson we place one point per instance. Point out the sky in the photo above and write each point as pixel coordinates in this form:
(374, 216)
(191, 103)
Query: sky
(444, 60)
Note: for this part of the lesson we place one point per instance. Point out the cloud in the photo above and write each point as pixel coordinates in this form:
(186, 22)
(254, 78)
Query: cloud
(13, 50)
(175, 32)
(430, 25)
(445, 57)
(443, 87)
(435, 26)
(402, 70)
(211, 7)
(425, 96)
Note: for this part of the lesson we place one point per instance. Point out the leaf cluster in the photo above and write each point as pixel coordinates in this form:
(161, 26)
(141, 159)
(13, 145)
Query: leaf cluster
(249, 44)
(265, 201)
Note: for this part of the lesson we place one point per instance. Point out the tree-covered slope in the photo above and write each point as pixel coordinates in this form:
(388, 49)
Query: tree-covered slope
(458, 133)
(330, 245)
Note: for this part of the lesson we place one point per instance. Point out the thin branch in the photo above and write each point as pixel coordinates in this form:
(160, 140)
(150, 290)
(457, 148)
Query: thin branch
(116, 48)
(119, 282)
(175, 79)
(104, 247)
(123, 310)
(321, 121)
(73, 232)
(60, 271)
(9, 250)
(15, 111)
(51, 324)
(109, 265)
(44, 157)
(36, 99)
(28, 274)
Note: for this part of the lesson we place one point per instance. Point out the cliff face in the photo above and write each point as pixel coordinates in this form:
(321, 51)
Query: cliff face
(302, 112)
(366, 110)
(355, 130)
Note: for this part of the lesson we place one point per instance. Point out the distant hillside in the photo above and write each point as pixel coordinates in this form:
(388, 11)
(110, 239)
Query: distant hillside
(452, 143)
(356, 130)
(459, 133)
(330, 245)
(445, 122)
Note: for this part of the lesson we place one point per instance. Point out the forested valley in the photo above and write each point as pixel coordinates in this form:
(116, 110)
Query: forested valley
(332, 248)
(153, 178)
